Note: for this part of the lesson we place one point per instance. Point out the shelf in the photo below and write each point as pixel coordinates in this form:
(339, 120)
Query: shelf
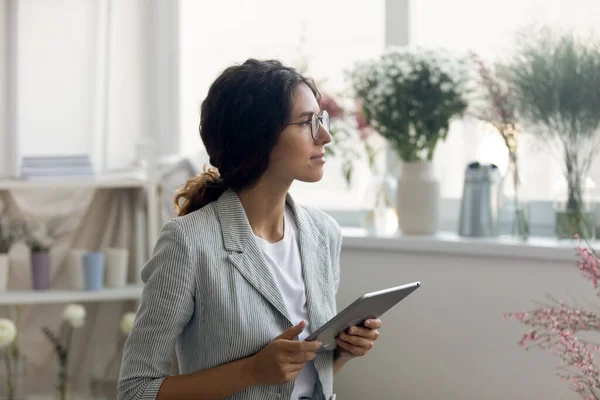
(131, 292)
(98, 182)
(75, 396)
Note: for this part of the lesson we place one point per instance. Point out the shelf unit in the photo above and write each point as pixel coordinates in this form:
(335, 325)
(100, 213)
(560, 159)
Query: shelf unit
(130, 292)
(146, 218)
(76, 396)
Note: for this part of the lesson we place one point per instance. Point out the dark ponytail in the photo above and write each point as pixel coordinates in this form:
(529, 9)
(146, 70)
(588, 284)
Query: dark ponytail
(199, 191)
(246, 109)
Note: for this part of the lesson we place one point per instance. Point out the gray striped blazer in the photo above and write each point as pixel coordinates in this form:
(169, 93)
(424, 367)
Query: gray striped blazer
(210, 295)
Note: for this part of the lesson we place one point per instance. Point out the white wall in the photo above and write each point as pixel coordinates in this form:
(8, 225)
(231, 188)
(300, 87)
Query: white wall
(55, 76)
(448, 340)
(126, 114)
(5, 143)
(3, 80)
(89, 79)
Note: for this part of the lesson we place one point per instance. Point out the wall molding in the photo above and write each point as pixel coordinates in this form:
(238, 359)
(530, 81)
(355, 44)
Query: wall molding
(101, 85)
(10, 167)
(161, 89)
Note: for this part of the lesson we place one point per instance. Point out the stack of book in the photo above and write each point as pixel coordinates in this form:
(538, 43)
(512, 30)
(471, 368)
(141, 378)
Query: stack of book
(56, 167)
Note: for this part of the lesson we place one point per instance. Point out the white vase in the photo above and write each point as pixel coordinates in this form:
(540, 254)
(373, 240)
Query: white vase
(75, 269)
(117, 262)
(418, 199)
(4, 271)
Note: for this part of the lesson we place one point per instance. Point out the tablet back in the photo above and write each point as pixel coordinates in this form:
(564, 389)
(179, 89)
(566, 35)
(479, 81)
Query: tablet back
(370, 305)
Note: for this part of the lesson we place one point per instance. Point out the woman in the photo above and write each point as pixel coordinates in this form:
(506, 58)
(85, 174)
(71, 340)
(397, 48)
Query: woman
(245, 273)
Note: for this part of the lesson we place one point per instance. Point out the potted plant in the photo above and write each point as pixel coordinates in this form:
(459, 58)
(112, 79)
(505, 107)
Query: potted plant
(494, 104)
(40, 236)
(555, 79)
(40, 263)
(409, 96)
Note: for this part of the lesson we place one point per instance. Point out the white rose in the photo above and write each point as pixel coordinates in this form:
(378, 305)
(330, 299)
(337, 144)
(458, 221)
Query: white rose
(74, 314)
(127, 323)
(8, 332)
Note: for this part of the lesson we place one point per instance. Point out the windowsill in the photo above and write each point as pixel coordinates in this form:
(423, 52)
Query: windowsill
(450, 244)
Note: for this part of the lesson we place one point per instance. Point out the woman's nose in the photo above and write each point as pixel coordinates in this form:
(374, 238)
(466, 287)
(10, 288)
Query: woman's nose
(324, 135)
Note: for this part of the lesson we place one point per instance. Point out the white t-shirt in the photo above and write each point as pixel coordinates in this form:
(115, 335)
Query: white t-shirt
(283, 258)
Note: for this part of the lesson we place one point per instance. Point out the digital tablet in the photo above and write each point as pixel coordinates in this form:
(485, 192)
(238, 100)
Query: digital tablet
(368, 306)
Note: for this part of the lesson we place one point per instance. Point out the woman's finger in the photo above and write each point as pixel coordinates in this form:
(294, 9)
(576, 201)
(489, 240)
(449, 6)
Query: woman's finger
(368, 333)
(374, 323)
(356, 351)
(344, 345)
(302, 357)
(357, 341)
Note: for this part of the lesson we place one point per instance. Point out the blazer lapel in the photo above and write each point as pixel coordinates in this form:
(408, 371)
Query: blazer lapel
(316, 270)
(244, 252)
(318, 281)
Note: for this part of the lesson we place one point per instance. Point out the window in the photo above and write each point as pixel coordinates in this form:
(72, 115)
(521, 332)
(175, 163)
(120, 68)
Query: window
(489, 27)
(330, 36)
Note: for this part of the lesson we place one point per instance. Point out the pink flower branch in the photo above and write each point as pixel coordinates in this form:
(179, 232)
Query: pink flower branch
(553, 327)
(546, 320)
(579, 364)
(588, 265)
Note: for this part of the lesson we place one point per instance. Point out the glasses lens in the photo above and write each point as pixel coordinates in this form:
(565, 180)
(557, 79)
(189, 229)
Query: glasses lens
(314, 126)
(325, 120)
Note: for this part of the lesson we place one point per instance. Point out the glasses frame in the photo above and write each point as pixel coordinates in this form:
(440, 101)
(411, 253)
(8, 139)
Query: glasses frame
(315, 121)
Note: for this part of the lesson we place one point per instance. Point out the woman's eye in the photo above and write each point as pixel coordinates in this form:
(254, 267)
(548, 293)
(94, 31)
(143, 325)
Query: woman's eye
(306, 123)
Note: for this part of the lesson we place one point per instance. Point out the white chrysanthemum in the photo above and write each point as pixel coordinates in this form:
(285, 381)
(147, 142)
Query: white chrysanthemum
(8, 332)
(412, 132)
(74, 314)
(445, 87)
(127, 323)
(389, 90)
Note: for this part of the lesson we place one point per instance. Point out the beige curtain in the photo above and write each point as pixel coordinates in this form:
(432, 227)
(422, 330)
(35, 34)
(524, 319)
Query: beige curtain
(92, 220)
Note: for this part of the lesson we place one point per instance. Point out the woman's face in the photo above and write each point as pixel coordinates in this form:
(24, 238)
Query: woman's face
(296, 156)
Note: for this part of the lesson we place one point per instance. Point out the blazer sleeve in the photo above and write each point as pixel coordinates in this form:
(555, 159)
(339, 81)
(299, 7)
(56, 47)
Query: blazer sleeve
(166, 307)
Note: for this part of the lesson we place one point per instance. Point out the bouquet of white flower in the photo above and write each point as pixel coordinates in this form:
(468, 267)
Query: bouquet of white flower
(73, 318)
(409, 97)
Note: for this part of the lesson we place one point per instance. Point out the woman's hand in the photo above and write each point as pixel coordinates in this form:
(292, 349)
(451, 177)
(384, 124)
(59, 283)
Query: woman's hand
(283, 359)
(358, 340)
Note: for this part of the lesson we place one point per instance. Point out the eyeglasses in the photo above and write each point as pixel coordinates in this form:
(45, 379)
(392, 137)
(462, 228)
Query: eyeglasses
(314, 122)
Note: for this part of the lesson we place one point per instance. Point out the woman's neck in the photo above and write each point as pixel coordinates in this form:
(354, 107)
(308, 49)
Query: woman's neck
(264, 205)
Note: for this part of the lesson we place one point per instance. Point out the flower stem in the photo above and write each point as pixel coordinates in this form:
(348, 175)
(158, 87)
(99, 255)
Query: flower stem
(64, 363)
(520, 223)
(9, 385)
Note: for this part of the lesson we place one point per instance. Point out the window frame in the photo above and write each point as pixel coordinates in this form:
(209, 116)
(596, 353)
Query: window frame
(397, 18)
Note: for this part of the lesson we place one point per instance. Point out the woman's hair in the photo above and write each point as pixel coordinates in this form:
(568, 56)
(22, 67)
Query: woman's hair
(241, 118)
